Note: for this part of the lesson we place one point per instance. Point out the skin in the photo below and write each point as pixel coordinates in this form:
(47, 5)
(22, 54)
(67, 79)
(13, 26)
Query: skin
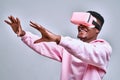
(86, 36)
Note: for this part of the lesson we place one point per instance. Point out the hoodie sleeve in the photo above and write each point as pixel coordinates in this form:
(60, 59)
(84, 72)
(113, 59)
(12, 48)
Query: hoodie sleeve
(96, 53)
(48, 49)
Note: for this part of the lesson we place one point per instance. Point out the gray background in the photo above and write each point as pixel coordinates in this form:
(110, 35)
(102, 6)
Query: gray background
(18, 62)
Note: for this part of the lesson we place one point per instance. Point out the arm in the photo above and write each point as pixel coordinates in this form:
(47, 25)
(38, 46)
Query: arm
(96, 53)
(48, 49)
(15, 25)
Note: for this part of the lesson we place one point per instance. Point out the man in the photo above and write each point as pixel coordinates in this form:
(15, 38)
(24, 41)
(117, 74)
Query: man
(83, 59)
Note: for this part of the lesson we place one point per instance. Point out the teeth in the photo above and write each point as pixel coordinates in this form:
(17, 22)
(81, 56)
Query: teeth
(91, 26)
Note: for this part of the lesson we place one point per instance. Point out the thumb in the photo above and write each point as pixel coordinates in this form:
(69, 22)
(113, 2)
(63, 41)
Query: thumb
(38, 41)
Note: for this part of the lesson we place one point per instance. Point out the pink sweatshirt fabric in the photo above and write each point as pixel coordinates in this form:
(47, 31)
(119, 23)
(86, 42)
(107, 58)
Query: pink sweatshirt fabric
(80, 60)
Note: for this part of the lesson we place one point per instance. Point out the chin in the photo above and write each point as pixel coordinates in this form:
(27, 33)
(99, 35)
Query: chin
(83, 39)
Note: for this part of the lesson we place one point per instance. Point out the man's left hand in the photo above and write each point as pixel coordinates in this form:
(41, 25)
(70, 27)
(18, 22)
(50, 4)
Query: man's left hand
(47, 36)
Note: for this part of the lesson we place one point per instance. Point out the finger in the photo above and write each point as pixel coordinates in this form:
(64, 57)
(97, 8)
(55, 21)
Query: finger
(38, 41)
(41, 29)
(35, 25)
(41, 40)
(20, 28)
(32, 25)
(18, 21)
(12, 19)
(9, 23)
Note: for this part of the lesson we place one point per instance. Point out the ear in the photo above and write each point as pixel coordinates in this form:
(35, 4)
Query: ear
(97, 31)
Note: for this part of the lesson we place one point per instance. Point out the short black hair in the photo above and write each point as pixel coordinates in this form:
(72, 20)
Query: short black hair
(97, 16)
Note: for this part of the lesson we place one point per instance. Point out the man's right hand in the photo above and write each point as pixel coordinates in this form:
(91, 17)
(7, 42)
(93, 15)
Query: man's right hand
(15, 25)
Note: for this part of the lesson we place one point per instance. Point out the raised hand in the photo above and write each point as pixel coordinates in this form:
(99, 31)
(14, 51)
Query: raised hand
(46, 35)
(15, 25)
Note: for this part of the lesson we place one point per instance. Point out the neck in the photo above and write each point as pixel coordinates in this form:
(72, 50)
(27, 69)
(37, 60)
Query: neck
(89, 40)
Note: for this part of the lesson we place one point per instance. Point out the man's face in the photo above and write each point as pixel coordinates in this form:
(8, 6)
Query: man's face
(87, 34)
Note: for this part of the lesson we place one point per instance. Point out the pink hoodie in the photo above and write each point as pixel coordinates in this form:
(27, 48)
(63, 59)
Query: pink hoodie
(80, 60)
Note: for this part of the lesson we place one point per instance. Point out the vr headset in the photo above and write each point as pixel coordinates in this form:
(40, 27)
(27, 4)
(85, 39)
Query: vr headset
(86, 19)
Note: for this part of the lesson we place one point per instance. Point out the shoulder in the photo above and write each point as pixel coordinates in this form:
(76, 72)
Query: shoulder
(102, 43)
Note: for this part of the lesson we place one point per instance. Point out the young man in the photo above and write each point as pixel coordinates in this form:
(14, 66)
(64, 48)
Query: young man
(83, 59)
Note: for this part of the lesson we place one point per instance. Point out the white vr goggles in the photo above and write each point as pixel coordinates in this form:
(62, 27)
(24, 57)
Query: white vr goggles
(86, 19)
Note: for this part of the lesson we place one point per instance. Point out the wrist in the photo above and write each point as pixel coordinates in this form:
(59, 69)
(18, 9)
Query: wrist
(58, 38)
(21, 34)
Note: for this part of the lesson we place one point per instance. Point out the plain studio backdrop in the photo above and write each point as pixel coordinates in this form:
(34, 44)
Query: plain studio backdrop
(19, 62)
